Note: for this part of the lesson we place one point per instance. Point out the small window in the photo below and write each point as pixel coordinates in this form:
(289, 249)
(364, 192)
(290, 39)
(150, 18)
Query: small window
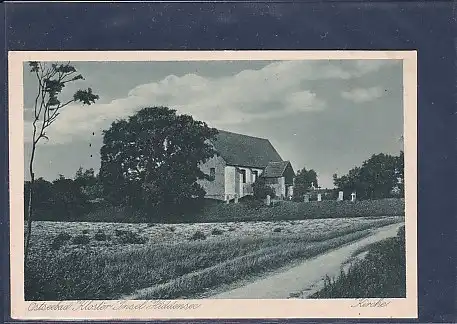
(212, 173)
(243, 174)
(255, 175)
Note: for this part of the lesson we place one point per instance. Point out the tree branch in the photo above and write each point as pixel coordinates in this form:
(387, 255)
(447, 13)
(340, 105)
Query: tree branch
(51, 81)
(37, 96)
(68, 75)
(56, 112)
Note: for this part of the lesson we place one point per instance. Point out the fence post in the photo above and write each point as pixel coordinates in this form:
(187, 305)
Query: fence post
(268, 200)
(340, 196)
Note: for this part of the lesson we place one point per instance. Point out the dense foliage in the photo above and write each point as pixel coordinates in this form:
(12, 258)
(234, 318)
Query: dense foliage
(381, 176)
(303, 181)
(64, 199)
(261, 190)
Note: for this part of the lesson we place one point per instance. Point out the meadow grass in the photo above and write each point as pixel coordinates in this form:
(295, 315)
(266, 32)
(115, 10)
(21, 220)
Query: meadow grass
(381, 274)
(173, 269)
(245, 266)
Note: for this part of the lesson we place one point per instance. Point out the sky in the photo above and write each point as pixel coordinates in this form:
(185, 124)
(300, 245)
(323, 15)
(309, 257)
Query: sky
(326, 115)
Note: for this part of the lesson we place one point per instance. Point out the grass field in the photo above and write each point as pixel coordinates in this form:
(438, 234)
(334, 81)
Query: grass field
(109, 260)
(380, 274)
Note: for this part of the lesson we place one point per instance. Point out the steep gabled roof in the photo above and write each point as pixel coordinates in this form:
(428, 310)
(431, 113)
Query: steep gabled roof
(243, 150)
(275, 169)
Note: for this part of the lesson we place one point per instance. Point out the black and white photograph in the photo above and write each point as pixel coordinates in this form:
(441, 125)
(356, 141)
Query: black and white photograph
(215, 179)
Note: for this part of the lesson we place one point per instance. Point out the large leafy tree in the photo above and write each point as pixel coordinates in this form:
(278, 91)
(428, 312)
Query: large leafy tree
(151, 159)
(303, 181)
(375, 179)
(51, 80)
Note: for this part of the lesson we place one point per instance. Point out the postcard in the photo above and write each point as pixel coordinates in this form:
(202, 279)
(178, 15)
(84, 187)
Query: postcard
(213, 184)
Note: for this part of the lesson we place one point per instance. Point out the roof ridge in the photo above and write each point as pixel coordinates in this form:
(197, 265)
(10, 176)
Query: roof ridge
(225, 131)
(280, 166)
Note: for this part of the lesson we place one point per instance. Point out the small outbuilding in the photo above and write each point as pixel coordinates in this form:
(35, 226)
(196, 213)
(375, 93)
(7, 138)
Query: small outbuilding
(280, 176)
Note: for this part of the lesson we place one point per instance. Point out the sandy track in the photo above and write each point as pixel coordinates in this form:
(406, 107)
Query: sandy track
(303, 280)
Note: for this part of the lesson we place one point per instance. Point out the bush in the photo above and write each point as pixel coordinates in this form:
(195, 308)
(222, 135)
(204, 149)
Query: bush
(119, 232)
(128, 237)
(60, 240)
(100, 236)
(261, 190)
(81, 239)
(198, 235)
(216, 231)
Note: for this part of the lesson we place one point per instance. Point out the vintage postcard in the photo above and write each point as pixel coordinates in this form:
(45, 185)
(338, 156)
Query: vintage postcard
(213, 184)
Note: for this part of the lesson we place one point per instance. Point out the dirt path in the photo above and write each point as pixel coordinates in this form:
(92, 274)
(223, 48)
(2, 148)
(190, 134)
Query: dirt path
(303, 280)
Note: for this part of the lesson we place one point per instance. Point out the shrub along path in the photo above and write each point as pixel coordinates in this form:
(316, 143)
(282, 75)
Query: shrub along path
(308, 277)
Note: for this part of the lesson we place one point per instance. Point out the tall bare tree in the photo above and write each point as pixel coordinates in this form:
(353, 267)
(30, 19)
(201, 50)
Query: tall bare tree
(51, 80)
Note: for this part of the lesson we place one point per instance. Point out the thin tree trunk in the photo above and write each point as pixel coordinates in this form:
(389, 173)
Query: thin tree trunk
(30, 207)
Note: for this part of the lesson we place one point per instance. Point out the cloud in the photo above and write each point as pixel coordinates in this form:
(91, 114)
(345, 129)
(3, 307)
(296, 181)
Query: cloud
(360, 95)
(276, 90)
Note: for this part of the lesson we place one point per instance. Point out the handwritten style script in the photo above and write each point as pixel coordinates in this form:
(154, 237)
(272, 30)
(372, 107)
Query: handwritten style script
(365, 302)
(117, 305)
